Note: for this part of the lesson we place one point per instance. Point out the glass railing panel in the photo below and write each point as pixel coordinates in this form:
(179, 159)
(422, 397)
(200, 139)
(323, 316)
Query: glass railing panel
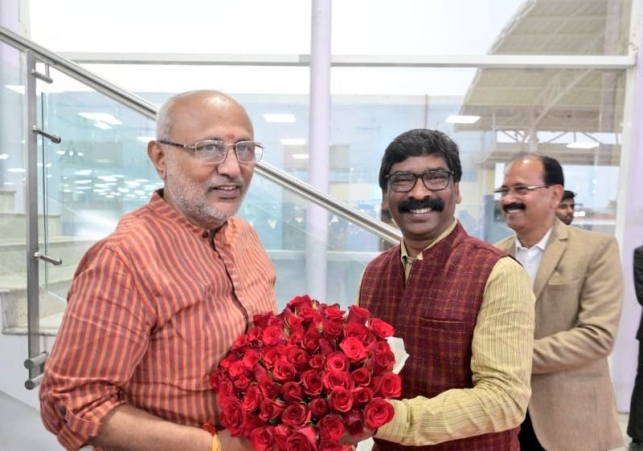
(98, 172)
(13, 235)
(281, 220)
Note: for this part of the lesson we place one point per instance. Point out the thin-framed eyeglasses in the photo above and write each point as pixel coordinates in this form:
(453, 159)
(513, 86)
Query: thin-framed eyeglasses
(215, 151)
(432, 179)
(518, 190)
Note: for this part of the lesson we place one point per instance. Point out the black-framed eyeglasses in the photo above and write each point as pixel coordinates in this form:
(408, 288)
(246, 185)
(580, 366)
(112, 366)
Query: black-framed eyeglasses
(433, 180)
(519, 190)
(215, 151)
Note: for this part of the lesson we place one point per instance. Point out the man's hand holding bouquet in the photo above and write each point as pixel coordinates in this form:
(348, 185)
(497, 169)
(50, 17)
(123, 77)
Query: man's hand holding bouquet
(308, 379)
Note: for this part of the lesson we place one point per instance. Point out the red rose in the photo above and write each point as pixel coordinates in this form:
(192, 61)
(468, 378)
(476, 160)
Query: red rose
(300, 302)
(311, 340)
(262, 320)
(251, 399)
(361, 377)
(334, 313)
(337, 361)
(240, 342)
(381, 328)
(354, 422)
(262, 439)
(271, 409)
(269, 389)
(292, 392)
(326, 346)
(357, 330)
(242, 382)
(272, 335)
(317, 362)
(293, 321)
(254, 335)
(332, 328)
(226, 388)
(377, 413)
(295, 415)
(297, 357)
(357, 314)
(302, 440)
(250, 359)
(253, 422)
(331, 427)
(284, 371)
(232, 415)
(354, 349)
(336, 379)
(296, 337)
(260, 373)
(280, 434)
(362, 396)
(319, 408)
(383, 358)
(340, 400)
(237, 369)
(311, 383)
(271, 355)
(390, 386)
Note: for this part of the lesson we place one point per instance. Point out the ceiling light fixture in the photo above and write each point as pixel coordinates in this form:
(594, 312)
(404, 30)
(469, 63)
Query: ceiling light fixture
(102, 125)
(100, 117)
(583, 145)
(458, 119)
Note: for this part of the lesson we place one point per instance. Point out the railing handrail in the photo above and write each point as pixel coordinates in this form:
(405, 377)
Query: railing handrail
(147, 109)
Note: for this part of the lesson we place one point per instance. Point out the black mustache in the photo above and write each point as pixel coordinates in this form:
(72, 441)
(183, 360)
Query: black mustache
(514, 206)
(435, 204)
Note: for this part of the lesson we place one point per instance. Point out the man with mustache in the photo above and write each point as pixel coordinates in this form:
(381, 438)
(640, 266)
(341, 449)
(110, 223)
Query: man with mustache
(577, 280)
(463, 308)
(157, 304)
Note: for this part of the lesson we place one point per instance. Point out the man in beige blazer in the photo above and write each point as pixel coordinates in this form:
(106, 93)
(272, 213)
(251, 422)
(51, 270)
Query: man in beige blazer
(577, 279)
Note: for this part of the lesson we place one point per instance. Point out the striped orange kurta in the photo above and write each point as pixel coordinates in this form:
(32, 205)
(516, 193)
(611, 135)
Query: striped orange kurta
(152, 310)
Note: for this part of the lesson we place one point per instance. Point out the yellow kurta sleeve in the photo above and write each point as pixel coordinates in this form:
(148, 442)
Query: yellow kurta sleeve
(502, 350)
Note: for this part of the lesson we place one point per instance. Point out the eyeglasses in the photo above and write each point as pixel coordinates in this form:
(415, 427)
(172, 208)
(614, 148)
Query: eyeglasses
(433, 180)
(214, 151)
(519, 190)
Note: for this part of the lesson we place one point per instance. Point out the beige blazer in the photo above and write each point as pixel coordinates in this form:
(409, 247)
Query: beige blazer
(579, 295)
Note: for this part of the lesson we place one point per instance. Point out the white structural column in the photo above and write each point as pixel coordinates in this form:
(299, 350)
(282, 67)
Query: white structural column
(319, 148)
(629, 227)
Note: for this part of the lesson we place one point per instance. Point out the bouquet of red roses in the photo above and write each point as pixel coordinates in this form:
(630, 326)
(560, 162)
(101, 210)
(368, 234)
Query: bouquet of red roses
(301, 380)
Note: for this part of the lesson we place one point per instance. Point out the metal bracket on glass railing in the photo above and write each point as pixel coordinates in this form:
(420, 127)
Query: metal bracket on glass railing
(56, 261)
(53, 138)
(31, 364)
(35, 361)
(30, 384)
(45, 76)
